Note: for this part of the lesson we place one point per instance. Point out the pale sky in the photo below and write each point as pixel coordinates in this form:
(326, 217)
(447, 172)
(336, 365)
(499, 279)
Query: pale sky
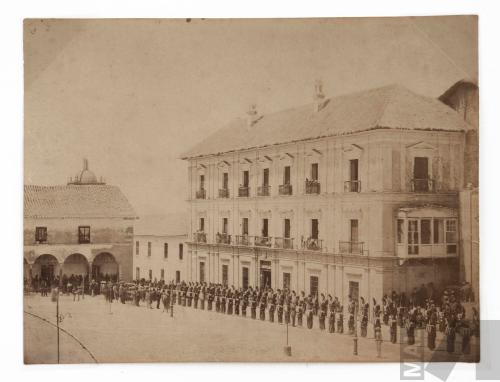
(132, 95)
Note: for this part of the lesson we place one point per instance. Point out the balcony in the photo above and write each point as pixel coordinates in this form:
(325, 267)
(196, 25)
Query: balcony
(200, 237)
(201, 194)
(264, 190)
(285, 189)
(223, 238)
(422, 185)
(353, 247)
(312, 187)
(244, 191)
(283, 242)
(312, 244)
(262, 241)
(224, 193)
(243, 240)
(352, 186)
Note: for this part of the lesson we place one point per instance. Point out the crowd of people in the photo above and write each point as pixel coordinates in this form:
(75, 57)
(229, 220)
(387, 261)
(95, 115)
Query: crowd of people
(446, 314)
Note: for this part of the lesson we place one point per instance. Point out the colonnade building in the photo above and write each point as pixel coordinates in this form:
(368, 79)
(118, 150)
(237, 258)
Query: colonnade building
(355, 195)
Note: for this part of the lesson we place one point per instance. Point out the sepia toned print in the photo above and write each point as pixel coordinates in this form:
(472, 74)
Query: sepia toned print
(266, 190)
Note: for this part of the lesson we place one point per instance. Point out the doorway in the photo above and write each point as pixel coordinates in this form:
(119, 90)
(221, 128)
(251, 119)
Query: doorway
(354, 291)
(265, 274)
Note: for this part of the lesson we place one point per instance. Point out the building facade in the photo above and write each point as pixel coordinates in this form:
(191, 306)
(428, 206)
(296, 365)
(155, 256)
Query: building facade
(355, 195)
(159, 248)
(84, 228)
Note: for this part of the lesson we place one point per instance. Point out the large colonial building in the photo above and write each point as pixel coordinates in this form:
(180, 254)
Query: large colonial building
(354, 195)
(159, 248)
(82, 228)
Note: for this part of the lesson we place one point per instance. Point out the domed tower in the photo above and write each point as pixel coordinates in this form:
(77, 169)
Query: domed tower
(85, 177)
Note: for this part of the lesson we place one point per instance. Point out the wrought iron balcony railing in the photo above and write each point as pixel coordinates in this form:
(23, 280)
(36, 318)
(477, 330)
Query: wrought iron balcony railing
(312, 187)
(283, 242)
(201, 194)
(244, 192)
(243, 240)
(285, 189)
(422, 185)
(262, 241)
(200, 237)
(264, 190)
(354, 247)
(312, 244)
(223, 238)
(352, 186)
(224, 193)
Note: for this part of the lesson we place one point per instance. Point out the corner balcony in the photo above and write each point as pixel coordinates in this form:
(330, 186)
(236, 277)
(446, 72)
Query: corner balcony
(283, 242)
(285, 189)
(423, 185)
(201, 194)
(264, 191)
(224, 193)
(200, 237)
(312, 244)
(243, 240)
(244, 191)
(352, 186)
(223, 238)
(312, 187)
(262, 241)
(351, 247)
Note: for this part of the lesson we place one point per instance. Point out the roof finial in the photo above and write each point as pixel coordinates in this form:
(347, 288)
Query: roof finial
(319, 96)
(85, 164)
(252, 115)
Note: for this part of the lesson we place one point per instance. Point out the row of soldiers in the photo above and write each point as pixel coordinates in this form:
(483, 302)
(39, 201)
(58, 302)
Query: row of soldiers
(289, 307)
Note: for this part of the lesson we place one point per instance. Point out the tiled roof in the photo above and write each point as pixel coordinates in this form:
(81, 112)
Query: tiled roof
(73, 201)
(389, 107)
(162, 225)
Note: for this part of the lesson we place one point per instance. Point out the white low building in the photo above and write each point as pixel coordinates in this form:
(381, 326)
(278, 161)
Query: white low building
(159, 248)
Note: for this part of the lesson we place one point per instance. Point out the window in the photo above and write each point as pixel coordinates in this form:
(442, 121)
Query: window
(413, 237)
(314, 229)
(286, 230)
(137, 247)
(84, 234)
(225, 181)
(286, 175)
(354, 231)
(313, 285)
(246, 178)
(438, 231)
(244, 272)
(181, 251)
(425, 231)
(244, 226)
(451, 236)
(41, 234)
(314, 171)
(202, 272)
(149, 249)
(202, 182)
(421, 174)
(165, 250)
(353, 170)
(224, 225)
(150, 274)
(265, 227)
(137, 273)
(265, 177)
(202, 224)
(286, 280)
(225, 270)
(177, 276)
(400, 231)
(162, 274)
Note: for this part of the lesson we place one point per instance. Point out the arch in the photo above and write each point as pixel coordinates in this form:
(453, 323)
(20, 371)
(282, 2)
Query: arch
(75, 264)
(46, 267)
(105, 267)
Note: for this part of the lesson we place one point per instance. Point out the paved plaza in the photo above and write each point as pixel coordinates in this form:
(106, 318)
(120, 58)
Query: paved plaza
(96, 331)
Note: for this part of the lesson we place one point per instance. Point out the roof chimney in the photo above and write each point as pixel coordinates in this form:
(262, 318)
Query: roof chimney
(252, 115)
(319, 96)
